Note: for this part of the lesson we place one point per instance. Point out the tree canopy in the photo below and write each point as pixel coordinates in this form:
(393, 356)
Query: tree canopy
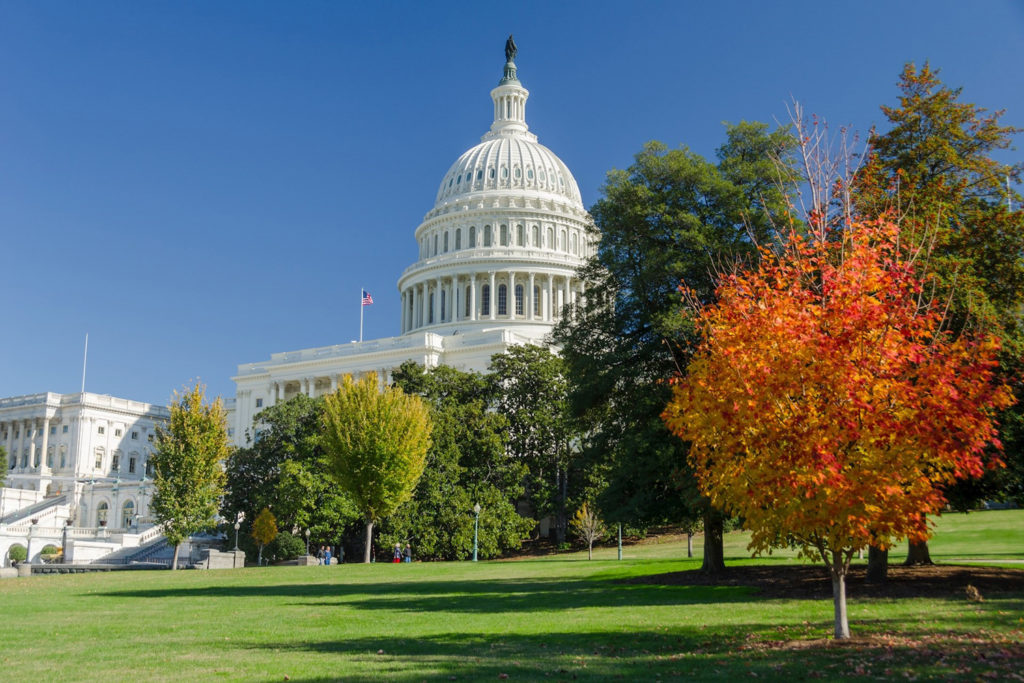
(376, 443)
(188, 466)
(827, 406)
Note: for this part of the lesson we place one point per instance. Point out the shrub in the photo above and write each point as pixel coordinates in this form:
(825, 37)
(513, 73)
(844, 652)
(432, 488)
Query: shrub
(18, 553)
(284, 547)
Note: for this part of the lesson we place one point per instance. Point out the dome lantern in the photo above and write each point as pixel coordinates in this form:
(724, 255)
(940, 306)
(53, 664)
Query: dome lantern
(509, 100)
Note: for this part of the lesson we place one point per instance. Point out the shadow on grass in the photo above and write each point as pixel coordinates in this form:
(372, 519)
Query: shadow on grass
(745, 650)
(466, 596)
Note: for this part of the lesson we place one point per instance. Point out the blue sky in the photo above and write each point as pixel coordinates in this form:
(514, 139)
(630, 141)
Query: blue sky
(200, 184)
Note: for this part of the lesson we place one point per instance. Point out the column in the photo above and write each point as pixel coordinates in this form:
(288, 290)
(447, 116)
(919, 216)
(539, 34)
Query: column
(493, 303)
(437, 300)
(568, 292)
(529, 300)
(334, 382)
(549, 309)
(21, 441)
(412, 314)
(43, 467)
(472, 296)
(512, 295)
(10, 444)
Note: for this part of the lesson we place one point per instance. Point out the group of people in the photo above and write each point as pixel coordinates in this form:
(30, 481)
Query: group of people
(402, 555)
(323, 555)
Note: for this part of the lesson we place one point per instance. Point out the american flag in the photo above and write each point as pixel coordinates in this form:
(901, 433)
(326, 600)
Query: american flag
(367, 299)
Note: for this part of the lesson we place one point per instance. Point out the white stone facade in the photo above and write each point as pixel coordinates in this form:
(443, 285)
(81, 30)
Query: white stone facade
(83, 458)
(498, 254)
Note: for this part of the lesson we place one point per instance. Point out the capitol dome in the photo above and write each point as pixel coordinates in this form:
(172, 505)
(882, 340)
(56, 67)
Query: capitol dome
(501, 246)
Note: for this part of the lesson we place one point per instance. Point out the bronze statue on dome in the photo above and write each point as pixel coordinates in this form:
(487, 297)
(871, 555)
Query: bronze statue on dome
(510, 49)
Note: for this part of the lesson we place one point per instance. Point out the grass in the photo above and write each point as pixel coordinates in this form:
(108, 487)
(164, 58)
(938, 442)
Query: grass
(548, 619)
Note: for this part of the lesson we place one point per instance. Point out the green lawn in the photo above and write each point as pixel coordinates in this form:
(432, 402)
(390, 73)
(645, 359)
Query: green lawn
(553, 619)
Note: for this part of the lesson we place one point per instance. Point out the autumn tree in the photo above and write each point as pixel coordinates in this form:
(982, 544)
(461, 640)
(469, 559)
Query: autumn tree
(188, 466)
(264, 530)
(671, 215)
(376, 442)
(588, 527)
(935, 169)
(827, 406)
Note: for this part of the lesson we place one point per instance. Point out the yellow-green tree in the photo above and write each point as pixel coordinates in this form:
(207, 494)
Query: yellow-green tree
(189, 476)
(376, 443)
(264, 530)
(588, 527)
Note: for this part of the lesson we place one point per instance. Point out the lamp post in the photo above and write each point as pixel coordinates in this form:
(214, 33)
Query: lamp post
(307, 541)
(476, 528)
(237, 526)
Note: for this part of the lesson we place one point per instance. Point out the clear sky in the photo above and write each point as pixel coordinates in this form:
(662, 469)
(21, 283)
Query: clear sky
(200, 184)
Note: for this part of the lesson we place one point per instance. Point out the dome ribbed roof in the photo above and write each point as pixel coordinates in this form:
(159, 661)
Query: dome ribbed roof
(509, 162)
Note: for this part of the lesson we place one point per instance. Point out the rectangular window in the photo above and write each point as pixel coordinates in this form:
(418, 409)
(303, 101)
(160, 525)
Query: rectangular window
(64, 429)
(135, 435)
(115, 464)
(149, 468)
(99, 458)
(118, 432)
(259, 403)
(101, 430)
(502, 300)
(131, 465)
(149, 438)
(53, 430)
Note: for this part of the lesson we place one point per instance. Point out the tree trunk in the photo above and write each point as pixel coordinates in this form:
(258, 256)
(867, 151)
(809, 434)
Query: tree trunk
(561, 518)
(714, 552)
(368, 542)
(689, 544)
(878, 565)
(918, 554)
(839, 602)
(259, 560)
(174, 563)
(590, 550)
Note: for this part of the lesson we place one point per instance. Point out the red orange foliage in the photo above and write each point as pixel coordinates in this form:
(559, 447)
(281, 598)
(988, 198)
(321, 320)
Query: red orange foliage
(826, 406)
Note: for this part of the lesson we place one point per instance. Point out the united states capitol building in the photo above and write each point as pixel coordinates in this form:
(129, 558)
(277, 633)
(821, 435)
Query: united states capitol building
(497, 260)
(498, 255)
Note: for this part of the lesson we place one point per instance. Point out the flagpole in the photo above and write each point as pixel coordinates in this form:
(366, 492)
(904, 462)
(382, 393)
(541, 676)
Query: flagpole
(361, 307)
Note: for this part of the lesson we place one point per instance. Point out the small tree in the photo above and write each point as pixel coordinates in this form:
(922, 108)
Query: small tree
(588, 527)
(264, 530)
(827, 407)
(376, 446)
(189, 476)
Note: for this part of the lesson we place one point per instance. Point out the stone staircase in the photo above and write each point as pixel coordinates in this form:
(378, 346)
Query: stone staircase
(40, 509)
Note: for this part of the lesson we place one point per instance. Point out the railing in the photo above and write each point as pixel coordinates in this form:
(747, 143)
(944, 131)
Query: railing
(34, 510)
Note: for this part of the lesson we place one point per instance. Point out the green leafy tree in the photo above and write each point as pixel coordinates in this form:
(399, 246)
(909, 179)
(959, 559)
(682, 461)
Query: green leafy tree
(530, 390)
(671, 216)
(376, 443)
(466, 465)
(188, 466)
(934, 169)
(588, 527)
(264, 530)
(286, 469)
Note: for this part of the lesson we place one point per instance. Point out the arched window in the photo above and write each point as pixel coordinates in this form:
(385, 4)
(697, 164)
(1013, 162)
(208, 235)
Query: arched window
(127, 513)
(467, 301)
(480, 174)
(574, 245)
(430, 312)
(561, 242)
(536, 300)
(101, 514)
(490, 172)
(458, 239)
(536, 237)
(502, 299)
(518, 173)
(551, 239)
(520, 236)
(485, 300)
(504, 172)
(519, 299)
(472, 237)
(504, 235)
(446, 241)
(487, 235)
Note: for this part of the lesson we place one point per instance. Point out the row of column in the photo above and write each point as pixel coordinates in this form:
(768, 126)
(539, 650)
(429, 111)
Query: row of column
(36, 458)
(443, 298)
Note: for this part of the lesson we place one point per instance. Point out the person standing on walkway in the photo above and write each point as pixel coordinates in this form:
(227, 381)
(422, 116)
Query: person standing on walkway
(398, 554)
(327, 555)
(407, 555)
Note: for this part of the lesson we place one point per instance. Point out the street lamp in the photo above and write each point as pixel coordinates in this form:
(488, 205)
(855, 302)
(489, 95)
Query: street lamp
(307, 541)
(476, 528)
(237, 525)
